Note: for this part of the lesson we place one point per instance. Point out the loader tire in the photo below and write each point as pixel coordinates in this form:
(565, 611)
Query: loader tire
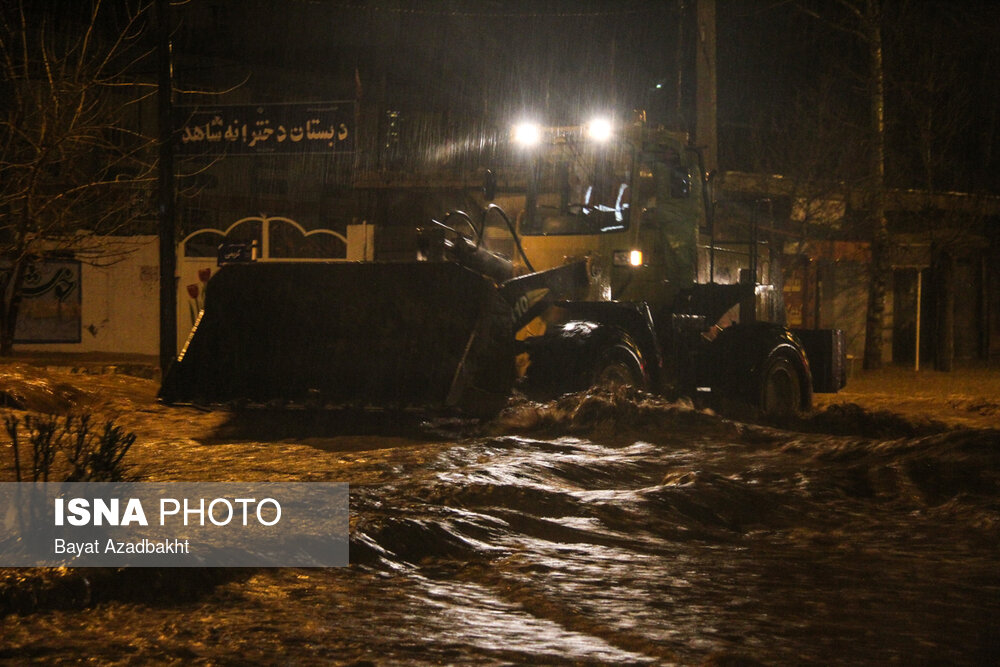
(619, 367)
(780, 389)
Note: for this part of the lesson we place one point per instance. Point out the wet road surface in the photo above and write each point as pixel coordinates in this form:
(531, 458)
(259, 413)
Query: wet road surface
(604, 532)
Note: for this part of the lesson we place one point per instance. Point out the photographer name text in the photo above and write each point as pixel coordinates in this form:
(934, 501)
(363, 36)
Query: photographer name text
(143, 546)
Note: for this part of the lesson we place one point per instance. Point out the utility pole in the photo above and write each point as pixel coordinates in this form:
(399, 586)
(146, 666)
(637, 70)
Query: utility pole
(706, 124)
(166, 208)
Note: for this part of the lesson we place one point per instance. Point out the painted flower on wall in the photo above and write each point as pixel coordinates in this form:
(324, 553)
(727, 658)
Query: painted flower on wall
(196, 294)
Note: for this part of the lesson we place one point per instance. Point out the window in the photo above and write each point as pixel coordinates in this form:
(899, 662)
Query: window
(580, 188)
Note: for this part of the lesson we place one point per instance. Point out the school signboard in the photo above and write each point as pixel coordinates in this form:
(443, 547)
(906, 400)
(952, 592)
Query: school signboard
(265, 129)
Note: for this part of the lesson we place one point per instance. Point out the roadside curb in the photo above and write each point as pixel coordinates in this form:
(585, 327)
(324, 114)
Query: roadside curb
(140, 366)
(144, 371)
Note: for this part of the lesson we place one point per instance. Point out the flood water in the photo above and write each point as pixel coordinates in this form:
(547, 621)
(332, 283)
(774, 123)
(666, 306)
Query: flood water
(627, 534)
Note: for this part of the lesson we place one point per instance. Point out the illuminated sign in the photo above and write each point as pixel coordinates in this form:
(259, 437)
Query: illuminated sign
(265, 129)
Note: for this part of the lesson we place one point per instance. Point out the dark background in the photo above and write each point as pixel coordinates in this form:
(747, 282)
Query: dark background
(786, 79)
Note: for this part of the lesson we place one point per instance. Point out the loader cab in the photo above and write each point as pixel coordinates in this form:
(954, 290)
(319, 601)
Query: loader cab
(628, 201)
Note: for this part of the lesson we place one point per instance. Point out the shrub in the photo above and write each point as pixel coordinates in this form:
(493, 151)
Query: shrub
(90, 455)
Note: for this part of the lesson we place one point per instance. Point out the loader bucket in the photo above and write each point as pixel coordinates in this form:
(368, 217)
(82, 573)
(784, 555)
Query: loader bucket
(357, 334)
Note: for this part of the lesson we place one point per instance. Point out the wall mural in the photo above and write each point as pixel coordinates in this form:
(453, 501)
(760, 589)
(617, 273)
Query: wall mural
(50, 303)
(196, 293)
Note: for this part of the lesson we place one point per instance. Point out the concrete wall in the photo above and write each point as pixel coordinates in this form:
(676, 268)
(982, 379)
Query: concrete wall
(119, 303)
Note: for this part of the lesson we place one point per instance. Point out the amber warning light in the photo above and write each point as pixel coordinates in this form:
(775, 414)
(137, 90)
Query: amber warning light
(627, 258)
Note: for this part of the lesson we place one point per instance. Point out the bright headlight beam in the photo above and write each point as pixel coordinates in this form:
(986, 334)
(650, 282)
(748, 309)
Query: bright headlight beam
(599, 129)
(527, 134)
(635, 258)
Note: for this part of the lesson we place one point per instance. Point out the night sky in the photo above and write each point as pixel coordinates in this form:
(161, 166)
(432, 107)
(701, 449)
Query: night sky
(785, 79)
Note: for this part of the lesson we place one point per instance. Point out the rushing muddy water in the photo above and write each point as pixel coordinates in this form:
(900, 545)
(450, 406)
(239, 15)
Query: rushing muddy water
(599, 532)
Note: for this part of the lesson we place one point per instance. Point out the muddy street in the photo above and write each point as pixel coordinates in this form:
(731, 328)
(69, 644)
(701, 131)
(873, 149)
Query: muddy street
(602, 529)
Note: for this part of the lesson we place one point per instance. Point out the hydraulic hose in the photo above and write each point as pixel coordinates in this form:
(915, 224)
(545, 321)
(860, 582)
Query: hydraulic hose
(513, 233)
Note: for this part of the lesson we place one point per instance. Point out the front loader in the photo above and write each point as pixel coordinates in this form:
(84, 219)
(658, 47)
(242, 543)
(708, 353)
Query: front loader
(385, 334)
(600, 287)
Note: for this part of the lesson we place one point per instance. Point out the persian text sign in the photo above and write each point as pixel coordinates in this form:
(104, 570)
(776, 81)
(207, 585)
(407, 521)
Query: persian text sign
(249, 129)
(182, 524)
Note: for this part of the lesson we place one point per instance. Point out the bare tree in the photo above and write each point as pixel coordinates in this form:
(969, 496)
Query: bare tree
(937, 99)
(863, 20)
(868, 14)
(74, 166)
(932, 106)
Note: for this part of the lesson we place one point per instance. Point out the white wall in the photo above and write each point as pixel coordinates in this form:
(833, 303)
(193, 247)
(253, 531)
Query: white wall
(120, 304)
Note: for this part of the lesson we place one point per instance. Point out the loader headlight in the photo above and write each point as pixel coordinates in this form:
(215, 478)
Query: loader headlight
(527, 134)
(600, 129)
(627, 258)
